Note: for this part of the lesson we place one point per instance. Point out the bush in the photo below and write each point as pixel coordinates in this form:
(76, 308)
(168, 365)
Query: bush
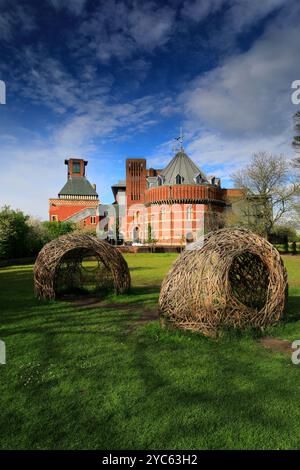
(285, 232)
(14, 233)
(56, 229)
(22, 236)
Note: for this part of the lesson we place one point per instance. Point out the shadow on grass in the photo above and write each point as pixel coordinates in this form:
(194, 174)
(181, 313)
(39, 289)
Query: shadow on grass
(293, 309)
(212, 396)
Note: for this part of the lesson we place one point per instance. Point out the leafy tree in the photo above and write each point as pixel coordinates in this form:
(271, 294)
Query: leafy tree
(14, 232)
(56, 229)
(270, 191)
(23, 236)
(286, 230)
(150, 239)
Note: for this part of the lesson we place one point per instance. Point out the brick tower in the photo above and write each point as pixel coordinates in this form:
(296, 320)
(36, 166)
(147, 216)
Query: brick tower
(136, 185)
(78, 200)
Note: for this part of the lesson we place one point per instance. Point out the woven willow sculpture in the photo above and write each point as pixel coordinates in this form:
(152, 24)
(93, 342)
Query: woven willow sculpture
(60, 265)
(234, 279)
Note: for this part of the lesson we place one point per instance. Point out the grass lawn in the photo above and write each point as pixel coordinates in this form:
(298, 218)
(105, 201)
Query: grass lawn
(94, 377)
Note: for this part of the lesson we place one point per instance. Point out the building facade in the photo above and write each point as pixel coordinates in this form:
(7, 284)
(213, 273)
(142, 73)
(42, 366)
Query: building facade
(169, 206)
(78, 200)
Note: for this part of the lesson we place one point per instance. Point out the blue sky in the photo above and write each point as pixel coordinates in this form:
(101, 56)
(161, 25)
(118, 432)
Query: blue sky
(108, 80)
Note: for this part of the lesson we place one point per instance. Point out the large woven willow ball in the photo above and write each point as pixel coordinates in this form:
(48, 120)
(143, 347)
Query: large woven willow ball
(234, 278)
(68, 251)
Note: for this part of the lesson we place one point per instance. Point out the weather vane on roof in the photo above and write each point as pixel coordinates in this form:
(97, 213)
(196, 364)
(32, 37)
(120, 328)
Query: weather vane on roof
(180, 139)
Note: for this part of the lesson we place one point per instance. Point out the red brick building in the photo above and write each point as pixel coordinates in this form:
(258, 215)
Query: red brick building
(168, 206)
(171, 205)
(78, 200)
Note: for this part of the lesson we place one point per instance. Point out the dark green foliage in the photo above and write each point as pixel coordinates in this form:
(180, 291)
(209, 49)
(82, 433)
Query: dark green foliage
(56, 229)
(285, 232)
(14, 234)
(22, 236)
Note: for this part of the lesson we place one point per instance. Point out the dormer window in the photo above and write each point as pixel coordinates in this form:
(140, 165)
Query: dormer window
(199, 179)
(179, 179)
(159, 180)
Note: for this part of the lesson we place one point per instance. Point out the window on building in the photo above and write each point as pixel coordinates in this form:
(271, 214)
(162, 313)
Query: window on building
(198, 179)
(163, 214)
(93, 220)
(76, 167)
(54, 218)
(159, 180)
(179, 179)
(189, 213)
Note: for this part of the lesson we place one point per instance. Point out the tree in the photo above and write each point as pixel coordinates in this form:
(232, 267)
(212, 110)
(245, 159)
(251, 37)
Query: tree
(14, 232)
(270, 191)
(150, 240)
(56, 229)
(286, 231)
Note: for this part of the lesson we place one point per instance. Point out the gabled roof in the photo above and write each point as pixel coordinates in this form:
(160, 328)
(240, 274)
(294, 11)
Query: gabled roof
(78, 186)
(181, 165)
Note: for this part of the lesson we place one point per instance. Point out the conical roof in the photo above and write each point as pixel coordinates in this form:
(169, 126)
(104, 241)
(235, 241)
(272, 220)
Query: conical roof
(78, 186)
(183, 166)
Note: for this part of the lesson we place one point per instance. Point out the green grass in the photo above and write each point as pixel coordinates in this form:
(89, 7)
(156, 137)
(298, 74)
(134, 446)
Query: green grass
(93, 378)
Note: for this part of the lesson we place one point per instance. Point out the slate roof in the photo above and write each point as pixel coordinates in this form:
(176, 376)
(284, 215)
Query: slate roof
(182, 165)
(119, 184)
(78, 186)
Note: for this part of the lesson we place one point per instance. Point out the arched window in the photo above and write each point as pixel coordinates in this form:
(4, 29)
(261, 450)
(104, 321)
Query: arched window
(189, 213)
(137, 216)
(179, 179)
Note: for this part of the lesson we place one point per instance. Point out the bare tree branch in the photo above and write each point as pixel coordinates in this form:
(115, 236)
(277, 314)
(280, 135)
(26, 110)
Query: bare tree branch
(270, 189)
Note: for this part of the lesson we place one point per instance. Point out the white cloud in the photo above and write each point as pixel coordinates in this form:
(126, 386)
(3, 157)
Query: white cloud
(237, 14)
(249, 94)
(198, 10)
(34, 163)
(17, 21)
(151, 26)
(221, 155)
(121, 29)
(241, 106)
